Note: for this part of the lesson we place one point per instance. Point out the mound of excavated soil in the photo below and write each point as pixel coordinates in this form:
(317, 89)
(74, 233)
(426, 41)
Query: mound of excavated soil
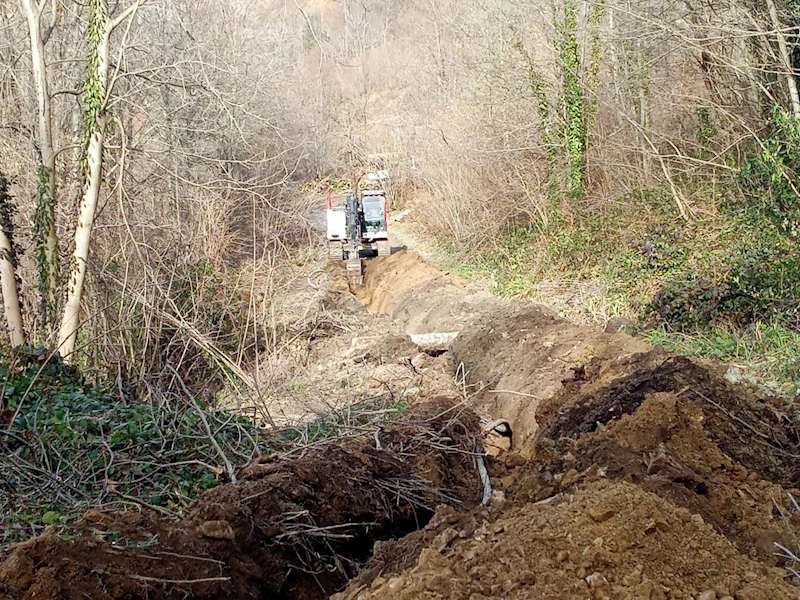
(663, 484)
(607, 540)
(648, 475)
(291, 529)
(514, 354)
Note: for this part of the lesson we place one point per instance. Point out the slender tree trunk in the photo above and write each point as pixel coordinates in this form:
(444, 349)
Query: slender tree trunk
(94, 96)
(11, 306)
(8, 275)
(47, 259)
(791, 82)
(70, 321)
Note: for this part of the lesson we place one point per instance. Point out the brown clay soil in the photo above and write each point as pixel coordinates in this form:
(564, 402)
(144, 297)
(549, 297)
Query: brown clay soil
(292, 528)
(631, 474)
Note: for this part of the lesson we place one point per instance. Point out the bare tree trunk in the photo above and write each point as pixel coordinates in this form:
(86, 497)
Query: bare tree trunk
(47, 258)
(791, 82)
(96, 92)
(8, 275)
(10, 293)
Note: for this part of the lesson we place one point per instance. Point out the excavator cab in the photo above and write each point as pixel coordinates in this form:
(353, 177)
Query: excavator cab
(374, 208)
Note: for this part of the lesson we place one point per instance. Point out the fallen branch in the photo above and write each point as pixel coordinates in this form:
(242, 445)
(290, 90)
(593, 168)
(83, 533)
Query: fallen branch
(211, 438)
(178, 581)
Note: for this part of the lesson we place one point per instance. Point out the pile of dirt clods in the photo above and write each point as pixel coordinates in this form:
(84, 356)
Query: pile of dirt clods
(290, 528)
(658, 481)
(630, 474)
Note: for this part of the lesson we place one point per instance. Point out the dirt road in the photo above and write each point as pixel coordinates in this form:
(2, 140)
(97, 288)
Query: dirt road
(630, 474)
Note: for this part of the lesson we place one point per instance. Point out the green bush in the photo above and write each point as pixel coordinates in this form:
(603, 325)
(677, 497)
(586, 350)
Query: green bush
(662, 250)
(689, 303)
(770, 179)
(764, 285)
(73, 444)
(761, 285)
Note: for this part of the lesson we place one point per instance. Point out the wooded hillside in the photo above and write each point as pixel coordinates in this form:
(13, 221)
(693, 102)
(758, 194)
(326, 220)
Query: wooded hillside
(637, 154)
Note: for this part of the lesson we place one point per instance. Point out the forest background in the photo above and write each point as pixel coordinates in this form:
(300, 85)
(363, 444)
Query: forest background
(160, 165)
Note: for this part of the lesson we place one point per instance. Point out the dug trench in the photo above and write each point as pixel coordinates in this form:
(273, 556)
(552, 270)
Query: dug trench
(631, 474)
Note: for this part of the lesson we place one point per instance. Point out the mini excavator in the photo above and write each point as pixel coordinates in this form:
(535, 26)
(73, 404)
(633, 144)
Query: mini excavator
(357, 222)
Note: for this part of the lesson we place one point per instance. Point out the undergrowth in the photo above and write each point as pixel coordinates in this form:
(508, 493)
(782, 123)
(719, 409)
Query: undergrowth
(770, 353)
(73, 445)
(724, 286)
(67, 445)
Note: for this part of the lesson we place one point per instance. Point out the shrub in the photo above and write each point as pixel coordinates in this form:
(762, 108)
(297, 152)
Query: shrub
(770, 179)
(73, 444)
(763, 284)
(662, 249)
(689, 303)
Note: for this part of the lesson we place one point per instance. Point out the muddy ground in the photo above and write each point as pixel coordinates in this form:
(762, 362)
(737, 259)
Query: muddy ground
(631, 474)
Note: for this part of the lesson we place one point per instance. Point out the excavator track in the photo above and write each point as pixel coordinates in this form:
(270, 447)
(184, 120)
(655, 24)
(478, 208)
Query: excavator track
(336, 251)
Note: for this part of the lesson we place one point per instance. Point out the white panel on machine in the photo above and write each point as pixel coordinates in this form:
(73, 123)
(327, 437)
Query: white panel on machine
(337, 223)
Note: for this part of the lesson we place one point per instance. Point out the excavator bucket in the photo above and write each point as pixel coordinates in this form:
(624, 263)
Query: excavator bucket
(355, 274)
